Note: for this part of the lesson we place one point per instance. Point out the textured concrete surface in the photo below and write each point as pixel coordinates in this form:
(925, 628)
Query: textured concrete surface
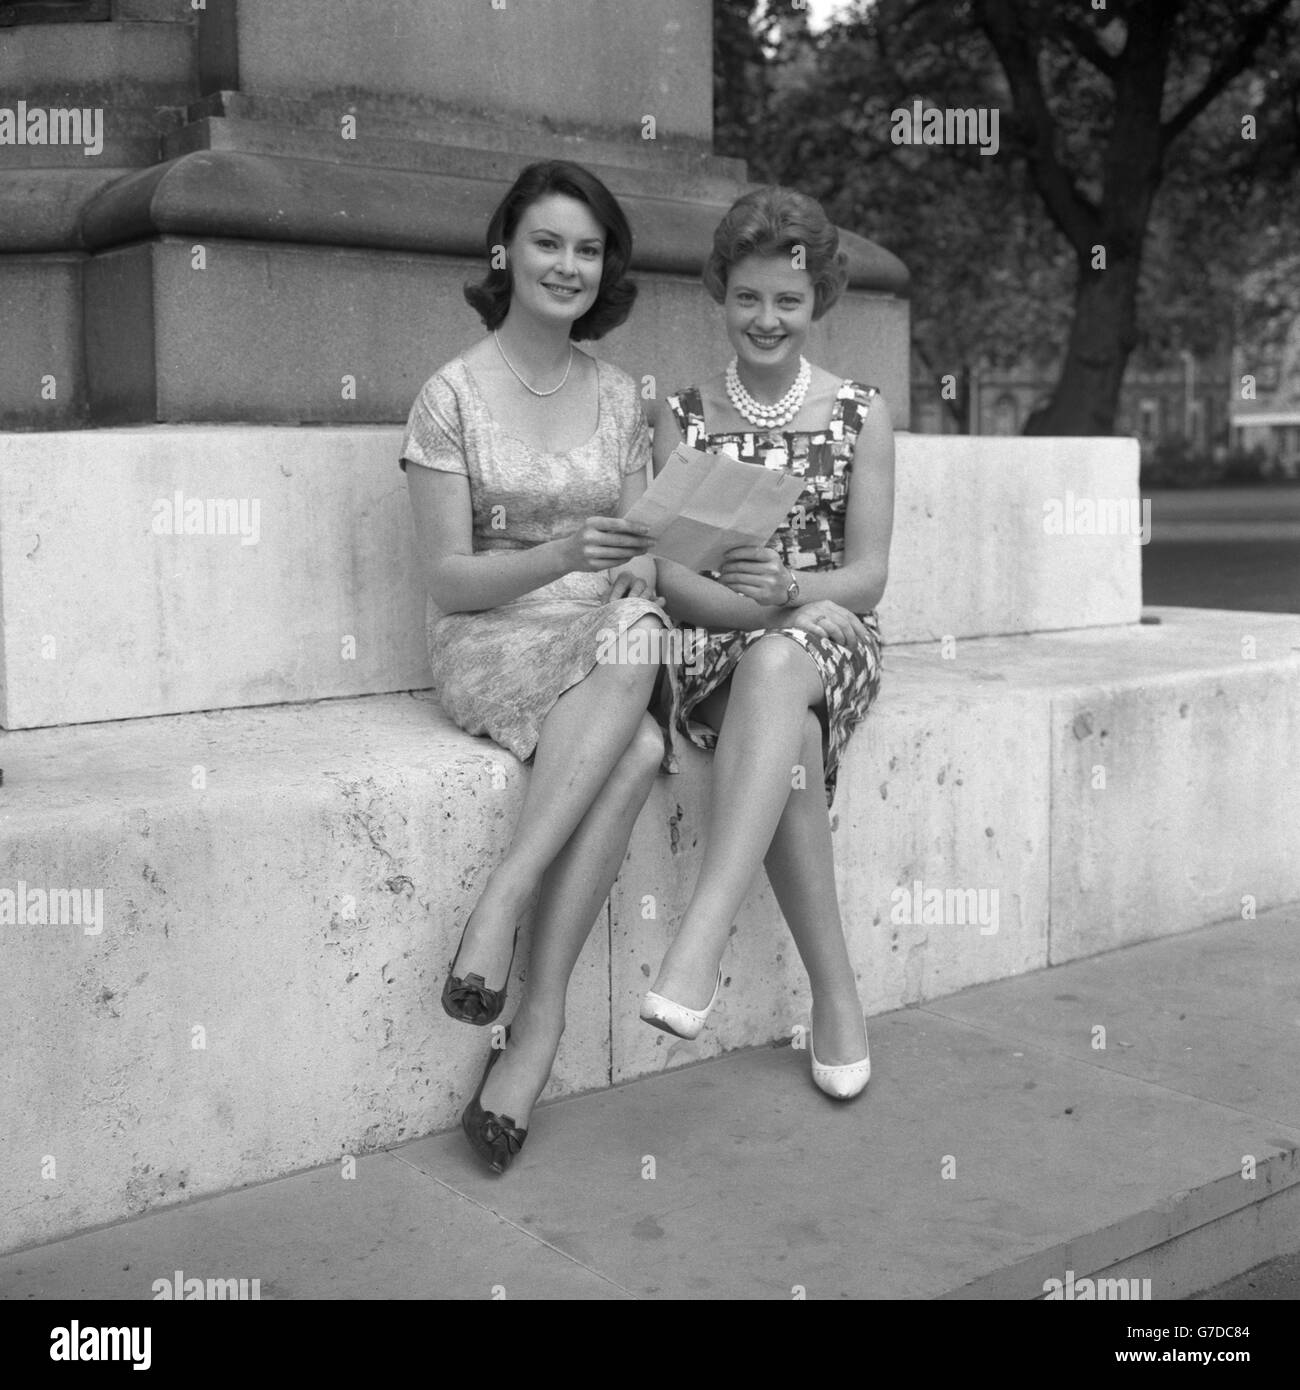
(266, 331)
(42, 362)
(600, 66)
(326, 601)
(40, 209)
(1275, 1279)
(1174, 793)
(292, 881)
(974, 553)
(449, 144)
(995, 1149)
(118, 64)
(334, 556)
(298, 909)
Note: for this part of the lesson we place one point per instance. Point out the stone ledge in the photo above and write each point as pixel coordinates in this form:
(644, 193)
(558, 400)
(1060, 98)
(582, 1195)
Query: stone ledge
(302, 904)
(427, 121)
(40, 209)
(228, 194)
(333, 555)
(676, 176)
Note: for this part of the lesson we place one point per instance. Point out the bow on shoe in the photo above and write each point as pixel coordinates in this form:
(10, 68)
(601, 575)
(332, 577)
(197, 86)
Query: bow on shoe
(498, 1127)
(504, 1139)
(474, 1002)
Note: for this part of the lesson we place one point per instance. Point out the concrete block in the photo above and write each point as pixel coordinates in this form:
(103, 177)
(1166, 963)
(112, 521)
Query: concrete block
(42, 364)
(121, 336)
(271, 332)
(1200, 801)
(275, 334)
(962, 497)
(293, 881)
(579, 63)
(1199, 814)
(280, 608)
(107, 618)
(262, 990)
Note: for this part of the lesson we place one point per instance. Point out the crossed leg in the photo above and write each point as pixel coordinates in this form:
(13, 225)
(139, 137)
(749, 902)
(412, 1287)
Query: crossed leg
(582, 740)
(597, 755)
(573, 890)
(761, 811)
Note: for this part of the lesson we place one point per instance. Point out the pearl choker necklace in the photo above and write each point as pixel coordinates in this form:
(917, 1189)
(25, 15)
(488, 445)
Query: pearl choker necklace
(773, 416)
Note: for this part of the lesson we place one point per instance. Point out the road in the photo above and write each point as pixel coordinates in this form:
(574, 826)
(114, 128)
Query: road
(1224, 548)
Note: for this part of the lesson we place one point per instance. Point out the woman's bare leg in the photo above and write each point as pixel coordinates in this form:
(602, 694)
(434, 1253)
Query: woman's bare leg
(774, 686)
(801, 867)
(573, 890)
(581, 741)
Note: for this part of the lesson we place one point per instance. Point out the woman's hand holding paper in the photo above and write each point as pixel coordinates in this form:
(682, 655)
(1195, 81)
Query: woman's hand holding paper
(756, 572)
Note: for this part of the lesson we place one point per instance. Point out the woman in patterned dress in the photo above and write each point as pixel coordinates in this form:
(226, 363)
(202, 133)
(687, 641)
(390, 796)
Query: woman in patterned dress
(791, 661)
(525, 449)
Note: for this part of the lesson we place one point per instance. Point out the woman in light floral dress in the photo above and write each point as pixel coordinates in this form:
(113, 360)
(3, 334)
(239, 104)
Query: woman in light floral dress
(520, 454)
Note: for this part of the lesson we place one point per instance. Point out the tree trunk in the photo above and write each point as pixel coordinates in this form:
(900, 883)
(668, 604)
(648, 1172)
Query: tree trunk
(1102, 335)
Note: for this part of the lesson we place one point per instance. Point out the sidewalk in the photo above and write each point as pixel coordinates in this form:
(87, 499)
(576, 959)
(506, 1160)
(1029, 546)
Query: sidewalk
(998, 1146)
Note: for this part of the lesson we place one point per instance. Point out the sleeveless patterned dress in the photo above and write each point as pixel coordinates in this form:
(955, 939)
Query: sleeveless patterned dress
(812, 539)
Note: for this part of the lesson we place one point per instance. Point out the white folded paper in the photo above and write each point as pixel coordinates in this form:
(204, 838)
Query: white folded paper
(702, 505)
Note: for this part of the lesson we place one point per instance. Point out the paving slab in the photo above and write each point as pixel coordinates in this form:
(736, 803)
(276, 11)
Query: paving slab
(1213, 1013)
(992, 1152)
(968, 1156)
(388, 1232)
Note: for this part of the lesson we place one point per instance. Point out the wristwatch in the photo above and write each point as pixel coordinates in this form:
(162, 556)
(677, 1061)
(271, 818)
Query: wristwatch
(792, 589)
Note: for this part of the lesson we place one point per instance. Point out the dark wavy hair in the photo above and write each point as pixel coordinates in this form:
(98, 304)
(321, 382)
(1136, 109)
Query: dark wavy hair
(772, 222)
(490, 297)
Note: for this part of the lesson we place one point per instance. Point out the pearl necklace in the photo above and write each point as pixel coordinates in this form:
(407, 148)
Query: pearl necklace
(768, 416)
(497, 338)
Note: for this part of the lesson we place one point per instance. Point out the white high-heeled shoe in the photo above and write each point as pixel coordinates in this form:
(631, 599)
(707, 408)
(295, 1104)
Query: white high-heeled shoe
(677, 1018)
(843, 1082)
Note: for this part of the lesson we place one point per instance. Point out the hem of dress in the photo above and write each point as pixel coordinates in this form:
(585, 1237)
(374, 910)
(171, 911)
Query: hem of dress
(665, 718)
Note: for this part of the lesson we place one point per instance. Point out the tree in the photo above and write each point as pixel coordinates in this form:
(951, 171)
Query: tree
(989, 277)
(1104, 110)
(1166, 64)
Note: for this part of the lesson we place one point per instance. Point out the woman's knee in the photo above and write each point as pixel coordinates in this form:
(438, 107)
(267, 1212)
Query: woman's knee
(645, 752)
(775, 658)
(634, 655)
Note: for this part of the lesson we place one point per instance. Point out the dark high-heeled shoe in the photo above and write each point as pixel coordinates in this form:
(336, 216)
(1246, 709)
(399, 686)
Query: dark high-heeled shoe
(470, 1000)
(495, 1138)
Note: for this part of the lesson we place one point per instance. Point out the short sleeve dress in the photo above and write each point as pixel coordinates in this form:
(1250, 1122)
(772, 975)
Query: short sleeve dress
(811, 539)
(499, 671)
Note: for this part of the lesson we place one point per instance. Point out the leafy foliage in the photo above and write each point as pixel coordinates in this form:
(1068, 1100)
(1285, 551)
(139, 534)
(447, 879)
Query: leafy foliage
(1120, 127)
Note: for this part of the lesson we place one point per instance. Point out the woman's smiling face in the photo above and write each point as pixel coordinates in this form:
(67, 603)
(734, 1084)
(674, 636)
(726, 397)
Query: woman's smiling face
(769, 311)
(556, 257)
